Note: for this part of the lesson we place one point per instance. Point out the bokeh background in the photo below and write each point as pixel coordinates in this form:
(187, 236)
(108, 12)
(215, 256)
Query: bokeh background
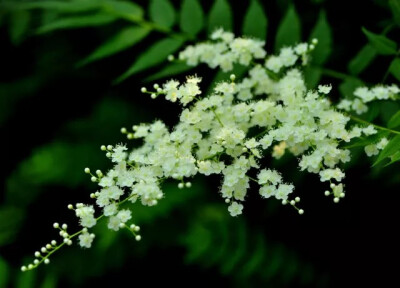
(55, 114)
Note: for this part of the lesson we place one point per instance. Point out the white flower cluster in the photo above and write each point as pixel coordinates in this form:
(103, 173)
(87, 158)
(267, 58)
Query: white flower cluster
(233, 132)
(365, 95)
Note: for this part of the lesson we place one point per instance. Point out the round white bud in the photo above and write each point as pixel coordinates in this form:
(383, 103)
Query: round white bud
(87, 170)
(156, 86)
(180, 185)
(36, 261)
(138, 238)
(92, 195)
(159, 90)
(135, 127)
(314, 41)
(332, 185)
(23, 268)
(227, 200)
(109, 147)
(154, 202)
(64, 226)
(37, 254)
(171, 58)
(292, 202)
(336, 200)
(53, 242)
(342, 195)
(30, 266)
(93, 179)
(232, 77)
(70, 206)
(153, 96)
(56, 225)
(46, 261)
(48, 246)
(301, 211)
(244, 149)
(103, 148)
(121, 225)
(69, 243)
(85, 230)
(284, 202)
(123, 130)
(132, 226)
(297, 199)
(327, 193)
(312, 46)
(129, 136)
(136, 228)
(99, 173)
(143, 90)
(66, 240)
(43, 250)
(188, 184)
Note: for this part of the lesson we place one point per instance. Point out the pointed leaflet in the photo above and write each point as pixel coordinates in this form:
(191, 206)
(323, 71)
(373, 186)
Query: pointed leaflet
(170, 70)
(220, 16)
(395, 68)
(255, 21)
(322, 31)
(162, 13)
(123, 9)
(395, 8)
(363, 58)
(391, 149)
(77, 22)
(123, 40)
(156, 54)
(289, 30)
(382, 44)
(191, 18)
(395, 120)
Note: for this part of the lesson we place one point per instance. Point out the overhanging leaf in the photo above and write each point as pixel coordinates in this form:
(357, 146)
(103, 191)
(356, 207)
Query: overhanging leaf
(255, 21)
(363, 58)
(322, 32)
(382, 44)
(192, 18)
(123, 40)
(392, 148)
(312, 76)
(289, 30)
(162, 13)
(220, 16)
(157, 53)
(77, 22)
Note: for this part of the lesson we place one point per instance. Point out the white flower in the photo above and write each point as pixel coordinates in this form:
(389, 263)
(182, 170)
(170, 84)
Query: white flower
(324, 89)
(235, 209)
(86, 239)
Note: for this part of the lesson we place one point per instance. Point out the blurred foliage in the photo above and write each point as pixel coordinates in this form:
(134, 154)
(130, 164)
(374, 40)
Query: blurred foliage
(63, 55)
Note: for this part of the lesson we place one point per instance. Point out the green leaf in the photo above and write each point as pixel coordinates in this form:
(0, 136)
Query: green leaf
(123, 40)
(220, 16)
(162, 13)
(395, 8)
(255, 21)
(192, 18)
(392, 148)
(289, 30)
(19, 25)
(312, 76)
(382, 44)
(77, 22)
(49, 282)
(363, 58)
(348, 86)
(394, 121)
(9, 228)
(170, 70)
(395, 68)
(4, 272)
(26, 279)
(123, 9)
(59, 6)
(157, 53)
(394, 158)
(322, 31)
